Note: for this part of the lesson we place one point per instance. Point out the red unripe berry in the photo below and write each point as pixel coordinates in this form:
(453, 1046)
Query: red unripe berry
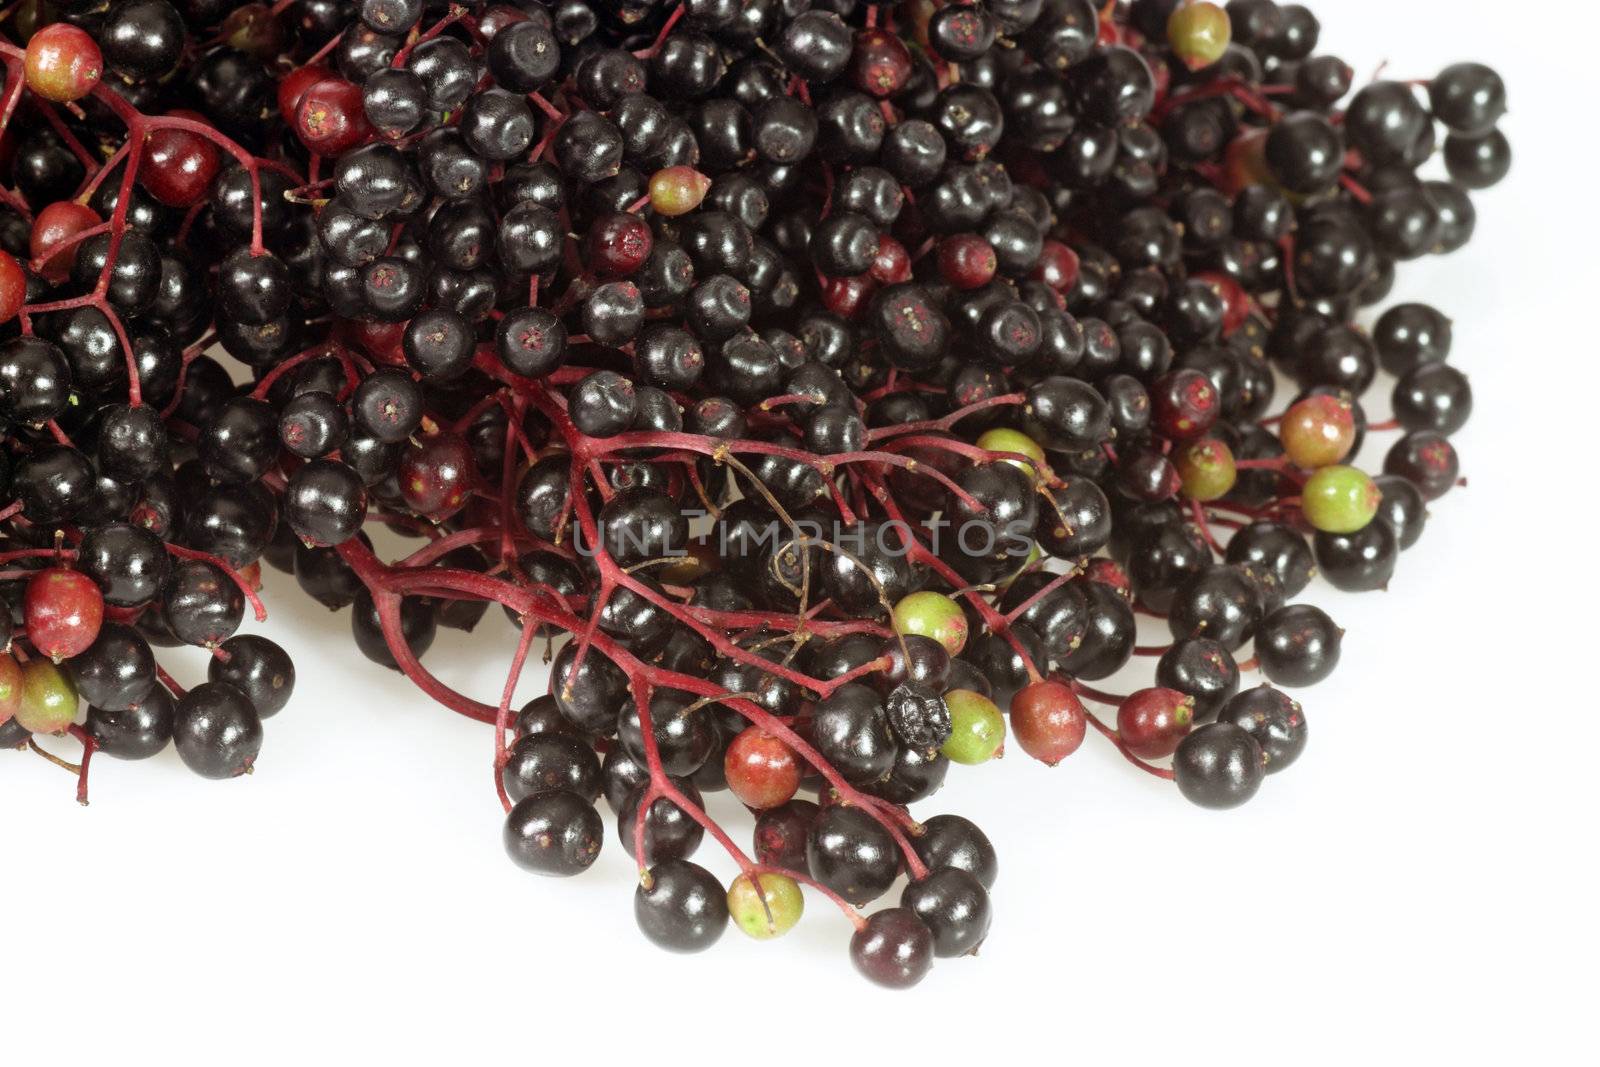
(1048, 721)
(1057, 266)
(618, 244)
(62, 610)
(762, 771)
(62, 63)
(383, 341)
(966, 261)
(180, 165)
(847, 297)
(1318, 431)
(331, 117)
(437, 474)
(880, 62)
(1184, 404)
(13, 287)
(892, 264)
(1152, 721)
(292, 88)
(53, 227)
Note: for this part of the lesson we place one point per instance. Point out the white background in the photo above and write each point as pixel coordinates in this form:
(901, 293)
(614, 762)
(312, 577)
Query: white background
(1419, 885)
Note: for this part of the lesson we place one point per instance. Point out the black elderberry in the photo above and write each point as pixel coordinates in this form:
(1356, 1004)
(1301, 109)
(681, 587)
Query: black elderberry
(53, 483)
(524, 56)
(1427, 460)
(387, 405)
(136, 732)
(1361, 560)
(851, 853)
(1469, 98)
(954, 905)
(668, 832)
(554, 833)
(129, 563)
(1305, 152)
(1219, 765)
(851, 730)
(257, 667)
(216, 730)
(1276, 722)
(681, 906)
(1298, 645)
(497, 125)
(816, 45)
(412, 625)
(1402, 506)
(1201, 669)
(117, 671)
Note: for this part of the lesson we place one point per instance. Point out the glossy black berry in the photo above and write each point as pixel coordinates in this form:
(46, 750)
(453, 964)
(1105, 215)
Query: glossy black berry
(256, 666)
(681, 906)
(1274, 719)
(1219, 765)
(954, 905)
(1298, 645)
(893, 949)
(851, 853)
(217, 731)
(555, 833)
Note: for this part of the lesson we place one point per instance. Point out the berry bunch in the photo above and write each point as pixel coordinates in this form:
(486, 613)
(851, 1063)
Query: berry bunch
(826, 390)
(118, 534)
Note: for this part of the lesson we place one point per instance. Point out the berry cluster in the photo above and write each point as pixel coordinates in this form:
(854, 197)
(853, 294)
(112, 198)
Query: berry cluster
(826, 389)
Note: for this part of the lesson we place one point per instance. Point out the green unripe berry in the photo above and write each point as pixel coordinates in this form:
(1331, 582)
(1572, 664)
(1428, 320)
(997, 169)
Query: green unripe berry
(1339, 499)
(1002, 439)
(10, 687)
(766, 911)
(49, 699)
(1199, 34)
(935, 616)
(1207, 470)
(677, 190)
(977, 729)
